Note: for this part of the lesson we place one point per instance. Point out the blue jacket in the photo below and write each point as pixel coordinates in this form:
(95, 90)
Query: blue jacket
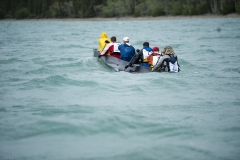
(127, 51)
(147, 48)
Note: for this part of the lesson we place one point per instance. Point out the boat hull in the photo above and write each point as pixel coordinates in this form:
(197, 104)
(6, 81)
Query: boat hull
(119, 65)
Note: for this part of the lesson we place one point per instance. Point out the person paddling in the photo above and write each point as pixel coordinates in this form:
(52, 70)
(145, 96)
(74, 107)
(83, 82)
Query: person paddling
(141, 56)
(169, 62)
(111, 48)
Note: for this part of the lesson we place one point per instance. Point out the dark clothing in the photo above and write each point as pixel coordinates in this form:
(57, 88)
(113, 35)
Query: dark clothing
(166, 64)
(141, 57)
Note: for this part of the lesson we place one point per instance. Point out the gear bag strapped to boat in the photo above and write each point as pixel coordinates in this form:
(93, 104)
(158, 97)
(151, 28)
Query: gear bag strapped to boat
(173, 64)
(170, 64)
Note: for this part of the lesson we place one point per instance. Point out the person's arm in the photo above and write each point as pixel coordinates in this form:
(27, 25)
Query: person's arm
(134, 60)
(140, 55)
(104, 52)
(120, 47)
(159, 63)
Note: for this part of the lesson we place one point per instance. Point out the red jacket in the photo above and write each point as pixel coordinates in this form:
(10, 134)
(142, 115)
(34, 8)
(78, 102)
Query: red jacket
(111, 49)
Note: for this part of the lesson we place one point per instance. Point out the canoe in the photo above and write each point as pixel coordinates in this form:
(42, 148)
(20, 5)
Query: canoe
(119, 65)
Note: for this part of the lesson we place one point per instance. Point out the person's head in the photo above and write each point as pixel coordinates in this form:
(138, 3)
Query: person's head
(156, 50)
(146, 44)
(103, 35)
(168, 50)
(113, 39)
(125, 40)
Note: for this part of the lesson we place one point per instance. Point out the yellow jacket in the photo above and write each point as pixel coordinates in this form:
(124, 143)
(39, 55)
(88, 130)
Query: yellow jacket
(101, 41)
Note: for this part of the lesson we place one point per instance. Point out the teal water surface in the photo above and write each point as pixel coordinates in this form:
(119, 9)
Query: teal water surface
(57, 102)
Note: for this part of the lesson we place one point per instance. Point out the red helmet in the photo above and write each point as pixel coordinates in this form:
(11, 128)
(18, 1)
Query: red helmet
(155, 48)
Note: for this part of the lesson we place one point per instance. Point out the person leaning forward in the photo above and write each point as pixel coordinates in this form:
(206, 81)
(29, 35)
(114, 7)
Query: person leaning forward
(127, 51)
(169, 61)
(141, 56)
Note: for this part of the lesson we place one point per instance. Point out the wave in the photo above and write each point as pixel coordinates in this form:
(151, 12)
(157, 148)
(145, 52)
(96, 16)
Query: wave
(66, 65)
(56, 80)
(10, 60)
(231, 70)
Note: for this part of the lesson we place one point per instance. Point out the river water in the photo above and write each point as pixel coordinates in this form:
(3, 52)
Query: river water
(58, 102)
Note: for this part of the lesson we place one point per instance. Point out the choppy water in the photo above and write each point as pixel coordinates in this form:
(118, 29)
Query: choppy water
(58, 102)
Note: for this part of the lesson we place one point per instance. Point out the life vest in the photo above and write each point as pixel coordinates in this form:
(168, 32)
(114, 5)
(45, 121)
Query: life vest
(114, 51)
(146, 53)
(115, 48)
(153, 59)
